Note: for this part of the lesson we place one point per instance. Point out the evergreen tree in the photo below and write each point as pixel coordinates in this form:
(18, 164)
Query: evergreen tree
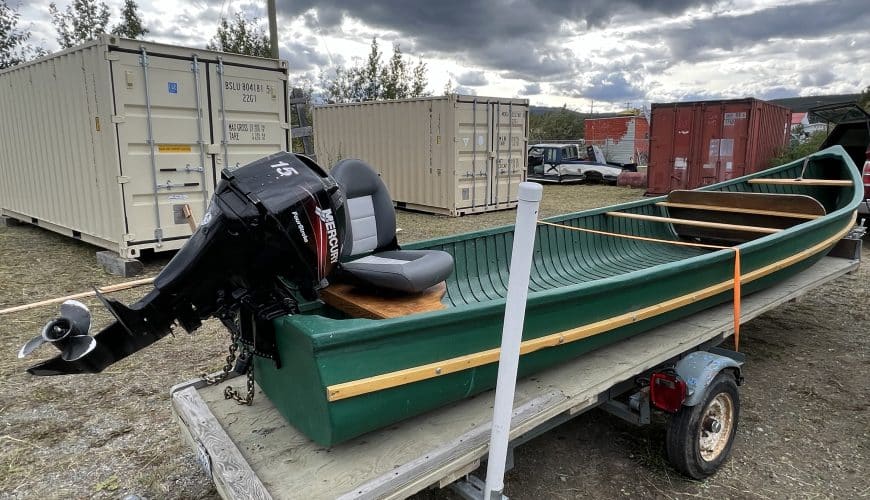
(14, 48)
(131, 24)
(243, 36)
(374, 80)
(82, 21)
(418, 80)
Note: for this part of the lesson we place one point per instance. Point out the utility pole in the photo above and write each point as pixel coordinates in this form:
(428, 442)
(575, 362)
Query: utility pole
(273, 27)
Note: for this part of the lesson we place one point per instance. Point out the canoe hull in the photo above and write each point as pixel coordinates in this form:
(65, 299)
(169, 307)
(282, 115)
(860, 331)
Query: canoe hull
(320, 353)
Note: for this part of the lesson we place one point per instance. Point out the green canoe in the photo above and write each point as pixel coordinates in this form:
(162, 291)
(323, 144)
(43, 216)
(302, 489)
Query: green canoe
(343, 376)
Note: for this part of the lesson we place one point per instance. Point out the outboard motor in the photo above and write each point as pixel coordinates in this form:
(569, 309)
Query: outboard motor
(272, 234)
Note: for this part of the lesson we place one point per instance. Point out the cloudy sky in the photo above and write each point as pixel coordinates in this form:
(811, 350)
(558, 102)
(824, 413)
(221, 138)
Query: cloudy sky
(601, 53)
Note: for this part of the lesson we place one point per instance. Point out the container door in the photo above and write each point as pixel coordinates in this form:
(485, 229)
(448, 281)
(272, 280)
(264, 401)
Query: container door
(473, 162)
(249, 114)
(734, 141)
(510, 151)
(681, 146)
(161, 121)
(706, 170)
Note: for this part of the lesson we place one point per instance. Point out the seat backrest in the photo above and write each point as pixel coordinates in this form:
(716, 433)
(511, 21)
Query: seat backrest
(369, 208)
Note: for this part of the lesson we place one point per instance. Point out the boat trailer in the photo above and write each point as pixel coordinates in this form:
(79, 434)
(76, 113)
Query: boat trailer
(262, 456)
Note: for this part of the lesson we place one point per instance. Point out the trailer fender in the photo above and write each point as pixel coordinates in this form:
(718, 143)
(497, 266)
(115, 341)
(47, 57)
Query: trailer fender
(698, 369)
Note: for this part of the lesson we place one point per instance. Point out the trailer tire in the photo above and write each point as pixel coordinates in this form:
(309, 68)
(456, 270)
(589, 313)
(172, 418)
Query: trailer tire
(700, 437)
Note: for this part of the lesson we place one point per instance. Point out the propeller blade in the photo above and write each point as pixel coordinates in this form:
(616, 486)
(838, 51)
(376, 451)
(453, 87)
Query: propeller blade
(77, 347)
(77, 314)
(30, 346)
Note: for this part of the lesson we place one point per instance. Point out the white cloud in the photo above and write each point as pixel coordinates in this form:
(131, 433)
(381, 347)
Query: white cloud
(609, 51)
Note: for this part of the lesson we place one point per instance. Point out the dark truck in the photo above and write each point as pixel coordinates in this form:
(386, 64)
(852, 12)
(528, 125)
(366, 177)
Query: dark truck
(852, 131)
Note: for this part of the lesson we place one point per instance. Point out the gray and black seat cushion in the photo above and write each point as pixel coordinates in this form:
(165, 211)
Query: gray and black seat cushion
(371, 231)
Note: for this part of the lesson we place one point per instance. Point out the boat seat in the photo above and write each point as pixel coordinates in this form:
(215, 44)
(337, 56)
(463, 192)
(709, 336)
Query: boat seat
(371, 254)
(748, 214)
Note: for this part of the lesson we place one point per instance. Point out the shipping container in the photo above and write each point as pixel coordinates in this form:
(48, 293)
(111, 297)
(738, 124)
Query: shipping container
(623, 139)
(694, 144)
(107, 142)
(451, 155)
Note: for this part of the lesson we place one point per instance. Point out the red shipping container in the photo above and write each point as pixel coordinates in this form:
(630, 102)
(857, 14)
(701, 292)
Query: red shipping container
(694, 144)
(623, 139)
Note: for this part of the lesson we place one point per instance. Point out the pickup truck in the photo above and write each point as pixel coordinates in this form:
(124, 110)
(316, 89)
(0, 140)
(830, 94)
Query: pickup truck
(852, 131)
(564, 163)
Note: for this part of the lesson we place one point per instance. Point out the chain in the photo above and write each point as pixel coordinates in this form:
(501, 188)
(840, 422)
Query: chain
(228, 367)
(245, 365)
(230, 393)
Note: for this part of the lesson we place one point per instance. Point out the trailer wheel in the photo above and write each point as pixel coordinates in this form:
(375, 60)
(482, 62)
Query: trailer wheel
(699, 437)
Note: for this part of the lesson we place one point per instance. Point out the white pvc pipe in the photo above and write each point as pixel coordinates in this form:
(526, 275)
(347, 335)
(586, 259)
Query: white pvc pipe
(511, 336)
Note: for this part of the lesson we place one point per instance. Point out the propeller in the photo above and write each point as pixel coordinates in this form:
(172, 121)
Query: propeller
(69, 333)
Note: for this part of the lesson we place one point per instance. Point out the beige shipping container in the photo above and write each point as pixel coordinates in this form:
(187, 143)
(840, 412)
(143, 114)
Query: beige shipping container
(107, 142)
(450, 155)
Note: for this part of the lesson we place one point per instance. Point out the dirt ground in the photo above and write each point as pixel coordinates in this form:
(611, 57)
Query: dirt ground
(804, 430)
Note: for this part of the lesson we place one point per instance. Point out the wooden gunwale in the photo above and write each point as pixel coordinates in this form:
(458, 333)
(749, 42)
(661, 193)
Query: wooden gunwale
(397, 378)
(804, 182)
(754, 211)
(697, 223)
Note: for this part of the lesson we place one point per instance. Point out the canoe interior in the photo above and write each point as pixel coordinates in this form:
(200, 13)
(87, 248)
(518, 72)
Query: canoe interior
(578, 280)
(564, 258)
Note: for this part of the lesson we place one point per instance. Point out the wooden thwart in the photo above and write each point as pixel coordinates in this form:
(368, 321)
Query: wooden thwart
(714, 208)
(804, 182)
(697, 223)
(365, 303)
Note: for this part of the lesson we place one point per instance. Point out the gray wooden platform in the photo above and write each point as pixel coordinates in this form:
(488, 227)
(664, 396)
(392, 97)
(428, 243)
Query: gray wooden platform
(251, 452)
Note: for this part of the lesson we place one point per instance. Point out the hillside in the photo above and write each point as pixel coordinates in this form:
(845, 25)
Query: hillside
(540, 110)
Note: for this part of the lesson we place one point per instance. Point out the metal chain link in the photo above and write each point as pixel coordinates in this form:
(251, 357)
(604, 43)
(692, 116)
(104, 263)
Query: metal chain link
(228, 367)
(230, 393)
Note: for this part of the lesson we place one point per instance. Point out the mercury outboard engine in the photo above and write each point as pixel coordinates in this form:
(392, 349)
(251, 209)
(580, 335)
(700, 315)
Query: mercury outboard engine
(272, 233)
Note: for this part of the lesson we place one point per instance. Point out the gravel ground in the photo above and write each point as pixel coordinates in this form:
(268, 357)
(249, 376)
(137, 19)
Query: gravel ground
(805, 429)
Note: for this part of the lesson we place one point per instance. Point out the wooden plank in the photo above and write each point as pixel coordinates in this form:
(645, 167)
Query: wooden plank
(106, 289)
(365, 303)
(414, 454)
(752, 211)
(222, 460)
(301, 132)
(696, 223)
(791, 203)
(805, 182)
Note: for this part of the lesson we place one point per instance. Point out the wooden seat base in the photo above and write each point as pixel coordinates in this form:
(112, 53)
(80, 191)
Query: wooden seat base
(360, 302)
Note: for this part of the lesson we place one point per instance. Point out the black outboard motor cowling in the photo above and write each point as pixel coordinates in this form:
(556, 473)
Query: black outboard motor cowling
(273, 232)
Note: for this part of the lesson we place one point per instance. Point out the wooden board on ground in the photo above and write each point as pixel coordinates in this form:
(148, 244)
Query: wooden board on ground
(252, 452)
(362, 303)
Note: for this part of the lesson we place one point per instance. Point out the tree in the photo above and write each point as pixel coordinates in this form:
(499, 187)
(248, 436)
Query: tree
(554, 125)
(798, 149)
(374, 80)
(864, 100)
(370, 78)
(131, 24)
(448, 87)
(244, 36)
(14, 48)
(82, 21)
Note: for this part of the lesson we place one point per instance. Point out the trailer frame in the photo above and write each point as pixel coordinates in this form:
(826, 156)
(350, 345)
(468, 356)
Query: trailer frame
(239, 447)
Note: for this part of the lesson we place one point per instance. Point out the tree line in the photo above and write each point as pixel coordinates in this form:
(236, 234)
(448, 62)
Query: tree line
(80, 21)
(84, 20)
